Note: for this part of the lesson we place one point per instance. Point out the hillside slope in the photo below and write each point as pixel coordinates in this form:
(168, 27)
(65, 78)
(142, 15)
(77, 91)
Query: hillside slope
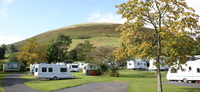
(100, 34)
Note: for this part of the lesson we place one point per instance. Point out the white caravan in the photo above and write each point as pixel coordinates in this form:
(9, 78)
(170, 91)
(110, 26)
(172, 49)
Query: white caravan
(138, 64)
(81, 65)
(89, 67)
(188, 73)
(153, 67)
(73, 67)
(52, 71)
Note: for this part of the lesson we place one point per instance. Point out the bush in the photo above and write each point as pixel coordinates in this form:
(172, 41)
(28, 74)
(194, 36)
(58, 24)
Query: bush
(84, 37)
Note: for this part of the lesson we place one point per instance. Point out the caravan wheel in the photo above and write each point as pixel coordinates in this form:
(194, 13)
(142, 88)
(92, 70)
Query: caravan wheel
(185, 80)
(55, 78)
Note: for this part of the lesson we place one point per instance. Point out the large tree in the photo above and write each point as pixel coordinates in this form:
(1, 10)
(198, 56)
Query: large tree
(32, 52)
(57, 51)
(173, 24)
(82, 49)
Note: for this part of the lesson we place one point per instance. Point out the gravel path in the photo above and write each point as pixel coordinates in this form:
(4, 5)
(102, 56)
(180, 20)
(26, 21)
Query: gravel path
(194, 85)
(98, 87)
(12, 83)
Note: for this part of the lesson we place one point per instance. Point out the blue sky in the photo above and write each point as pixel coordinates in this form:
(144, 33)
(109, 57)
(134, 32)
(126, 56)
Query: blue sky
(22, 19)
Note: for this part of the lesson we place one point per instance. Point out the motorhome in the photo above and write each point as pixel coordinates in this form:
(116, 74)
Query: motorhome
(152, 65)
(136, 64)
(188, 72)
(73, 67)
(52, 71)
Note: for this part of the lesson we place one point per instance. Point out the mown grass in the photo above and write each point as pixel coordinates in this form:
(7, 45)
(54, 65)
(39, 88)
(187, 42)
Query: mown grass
(138, 81)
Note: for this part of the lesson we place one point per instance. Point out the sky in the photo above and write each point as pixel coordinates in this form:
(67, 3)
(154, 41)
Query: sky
(22, 19)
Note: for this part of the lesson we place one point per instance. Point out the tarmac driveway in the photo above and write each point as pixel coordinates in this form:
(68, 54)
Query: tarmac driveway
(12, 83)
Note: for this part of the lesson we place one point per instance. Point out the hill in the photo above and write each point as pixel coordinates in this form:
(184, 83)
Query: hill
(98, 34)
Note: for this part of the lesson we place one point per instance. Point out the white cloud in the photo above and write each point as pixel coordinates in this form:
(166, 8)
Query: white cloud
(8, 1)
(194, 4)
(3, 12)
(107, 17)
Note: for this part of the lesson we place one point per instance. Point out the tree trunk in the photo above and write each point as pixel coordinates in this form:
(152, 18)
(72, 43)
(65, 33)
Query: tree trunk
(159, 79)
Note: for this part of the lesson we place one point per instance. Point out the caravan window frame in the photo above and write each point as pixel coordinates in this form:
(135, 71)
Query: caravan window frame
(44, 69)
(198, 70)
(50, 69)
(63, 69)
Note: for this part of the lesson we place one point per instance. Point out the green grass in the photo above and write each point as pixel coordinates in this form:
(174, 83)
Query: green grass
(138, 81)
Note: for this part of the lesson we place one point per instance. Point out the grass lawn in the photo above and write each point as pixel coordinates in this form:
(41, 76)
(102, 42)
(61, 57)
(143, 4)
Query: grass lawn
(138, 81)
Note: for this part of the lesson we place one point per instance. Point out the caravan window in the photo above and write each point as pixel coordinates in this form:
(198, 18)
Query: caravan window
(44, 69)
(173, 70)
(63, 69)
(74, 66)
(36, 69)
(198, 70)
(50, 69)
(190, 68)
(138, 63)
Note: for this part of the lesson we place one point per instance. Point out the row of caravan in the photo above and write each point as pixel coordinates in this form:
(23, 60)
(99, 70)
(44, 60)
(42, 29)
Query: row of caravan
(141, 64)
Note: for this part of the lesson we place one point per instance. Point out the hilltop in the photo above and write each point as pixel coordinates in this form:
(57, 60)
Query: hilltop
(98, 34)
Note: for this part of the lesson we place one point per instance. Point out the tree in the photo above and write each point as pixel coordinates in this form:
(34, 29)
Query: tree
(103, 57)
(171, 20)
(2, 51)
(58, 49)
(11, 48)
(83, 48)
(32, 52)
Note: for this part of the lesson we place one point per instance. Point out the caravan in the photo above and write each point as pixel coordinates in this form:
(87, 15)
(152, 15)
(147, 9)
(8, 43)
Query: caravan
(73, 67)
(138, 64)
(187, 73)
(153, 67)
(52, 71)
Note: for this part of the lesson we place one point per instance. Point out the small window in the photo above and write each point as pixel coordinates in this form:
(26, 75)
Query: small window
(190, 68)
(130, 63)
(63, 69)
(173, 70)
(198, 70)
(144, 64)
(90, 66)
(141, 63)
(36, 69)
(44, 69)
(74, 66)
(138, 63)
(50, 69)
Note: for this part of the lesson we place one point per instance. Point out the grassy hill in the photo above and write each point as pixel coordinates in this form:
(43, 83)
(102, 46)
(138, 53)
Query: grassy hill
(100, 34)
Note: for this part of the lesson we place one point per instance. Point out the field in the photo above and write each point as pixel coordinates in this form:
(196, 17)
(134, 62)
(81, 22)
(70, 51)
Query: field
(138, 81)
